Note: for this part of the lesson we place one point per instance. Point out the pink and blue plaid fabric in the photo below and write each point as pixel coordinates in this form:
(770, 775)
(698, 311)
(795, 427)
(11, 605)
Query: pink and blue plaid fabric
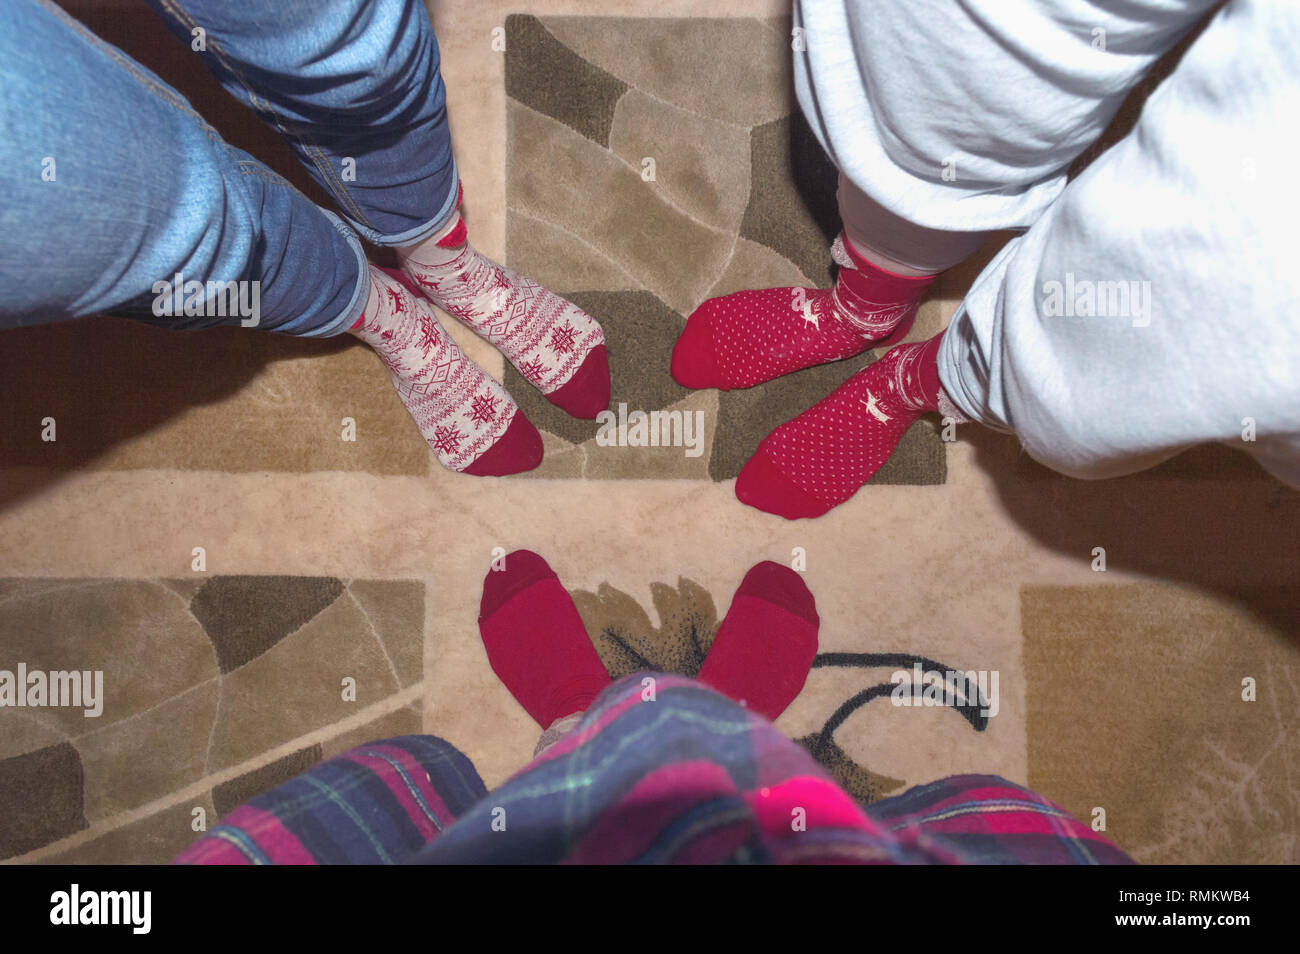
(680, 774)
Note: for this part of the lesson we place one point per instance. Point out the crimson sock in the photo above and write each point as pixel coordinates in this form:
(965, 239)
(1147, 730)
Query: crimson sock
(766, 643)
(819, 460)
(467, 418)
(555, 345)
(536, 642)
(748, 337)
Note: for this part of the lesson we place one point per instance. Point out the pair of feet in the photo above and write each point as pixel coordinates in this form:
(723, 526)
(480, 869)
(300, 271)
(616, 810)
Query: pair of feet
(538, 646)
(468, 419)
(821, 458)
(804, 468)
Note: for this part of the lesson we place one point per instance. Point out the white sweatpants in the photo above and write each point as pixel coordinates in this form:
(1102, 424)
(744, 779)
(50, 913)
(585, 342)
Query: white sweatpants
(1154, 302)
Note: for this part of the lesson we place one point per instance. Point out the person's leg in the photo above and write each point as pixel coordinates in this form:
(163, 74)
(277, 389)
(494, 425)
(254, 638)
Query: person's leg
(946, 122)
(552, 343)
(890, 242)
(966, 117)
(1096, 336)
(354, 87)
(378, 803)
(986, 820)
(1153, 307)
(120, 199)
(657, 768)
(537, 645)
(663, 769)
(766, 644)
(468, 419)
(748, 337)
(535, 640)
(815, 462)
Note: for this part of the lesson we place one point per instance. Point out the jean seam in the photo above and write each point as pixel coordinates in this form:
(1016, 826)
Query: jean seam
(264, 106)
(266, 175)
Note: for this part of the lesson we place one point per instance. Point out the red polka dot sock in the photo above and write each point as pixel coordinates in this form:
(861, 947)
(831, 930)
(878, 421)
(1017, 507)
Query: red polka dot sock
(467, 418)
(555, 345)
(535, 640)
(765, 646)
(748, 337)
(817, 461)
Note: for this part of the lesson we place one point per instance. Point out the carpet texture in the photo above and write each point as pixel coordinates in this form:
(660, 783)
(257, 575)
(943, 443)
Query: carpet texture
(637, 164)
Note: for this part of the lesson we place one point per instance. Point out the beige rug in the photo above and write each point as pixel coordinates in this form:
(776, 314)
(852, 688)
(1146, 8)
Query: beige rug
(339, 590)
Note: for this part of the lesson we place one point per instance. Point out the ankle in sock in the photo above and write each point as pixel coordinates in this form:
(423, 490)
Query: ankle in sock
(555, 345)
(743, 339)
(468, 419)
(766, 644)
(820, 459)
(536, 642)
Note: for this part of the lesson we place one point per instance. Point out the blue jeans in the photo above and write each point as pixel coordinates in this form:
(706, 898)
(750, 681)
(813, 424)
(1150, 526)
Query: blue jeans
(119, 199)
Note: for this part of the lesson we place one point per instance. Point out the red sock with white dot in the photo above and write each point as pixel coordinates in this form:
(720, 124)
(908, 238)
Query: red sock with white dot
(817, 461)
(467, 418)
(745, 338)
(555, 345)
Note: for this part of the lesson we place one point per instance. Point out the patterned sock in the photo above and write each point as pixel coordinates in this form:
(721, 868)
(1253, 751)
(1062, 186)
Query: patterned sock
(535, 640)
(555, 345)
(748, 337)
(819, 460)
(468, 419)
(765, 646)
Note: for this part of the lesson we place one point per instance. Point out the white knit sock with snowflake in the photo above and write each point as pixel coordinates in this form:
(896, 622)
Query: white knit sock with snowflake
(555, 345)
(466, 417)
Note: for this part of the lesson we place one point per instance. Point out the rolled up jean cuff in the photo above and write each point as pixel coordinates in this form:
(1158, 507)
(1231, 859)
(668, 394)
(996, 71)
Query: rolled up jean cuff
(349, 315)
(419, 233)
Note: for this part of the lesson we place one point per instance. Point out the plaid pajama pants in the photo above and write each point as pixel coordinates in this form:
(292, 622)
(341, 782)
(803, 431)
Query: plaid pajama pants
(660, 769)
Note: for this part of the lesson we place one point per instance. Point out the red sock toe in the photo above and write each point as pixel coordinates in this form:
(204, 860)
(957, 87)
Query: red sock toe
(693, 364)
(585, 394)
(766, 644)
(535, 640)
(762, 485)
(517, 450)
(782, 587)
(520, 570)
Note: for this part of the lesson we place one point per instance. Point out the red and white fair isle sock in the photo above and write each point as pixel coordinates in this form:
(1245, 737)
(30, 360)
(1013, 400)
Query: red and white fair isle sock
(749, 337)
(553, 343)
(468, 419)
(817, 461)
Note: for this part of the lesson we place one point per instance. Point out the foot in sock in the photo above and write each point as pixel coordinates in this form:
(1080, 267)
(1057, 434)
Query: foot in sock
(817, 461)
(555, 345)
(536, 642)
(467, 418)
(748, 337)
(765, 646)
